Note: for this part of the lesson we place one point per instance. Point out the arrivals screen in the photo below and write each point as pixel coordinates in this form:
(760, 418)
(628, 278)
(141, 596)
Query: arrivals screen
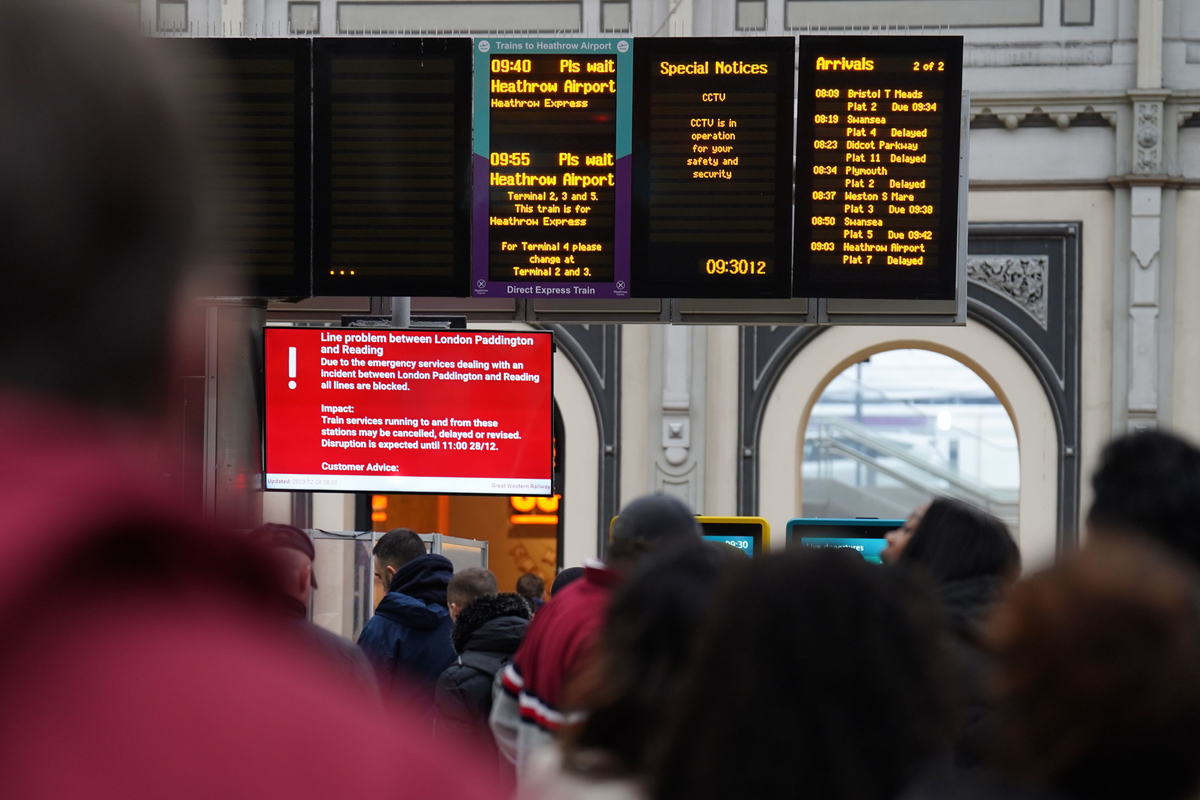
(877, 166)
(392, 161)
(408, 411)
(712, 165)
(552, 168)
(252, 121)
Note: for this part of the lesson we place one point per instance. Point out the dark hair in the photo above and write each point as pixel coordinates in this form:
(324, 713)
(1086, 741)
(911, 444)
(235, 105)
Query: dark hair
(399, 546)
(818, 672)
(956, 540)
(648, 634)
(1097, 666)
(531, 586)
(1149, 483)
(565, 579)
(99, 203)
(646, 523)
(470, 584)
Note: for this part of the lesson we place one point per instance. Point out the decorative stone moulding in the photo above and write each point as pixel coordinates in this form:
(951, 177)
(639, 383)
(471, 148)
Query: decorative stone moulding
(1021, 279)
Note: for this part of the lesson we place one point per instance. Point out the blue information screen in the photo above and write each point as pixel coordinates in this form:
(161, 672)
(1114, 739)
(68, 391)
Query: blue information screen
(869, 548)
(743, 543)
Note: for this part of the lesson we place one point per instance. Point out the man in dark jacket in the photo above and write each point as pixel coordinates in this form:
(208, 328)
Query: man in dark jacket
(408, 638)
(488, 629)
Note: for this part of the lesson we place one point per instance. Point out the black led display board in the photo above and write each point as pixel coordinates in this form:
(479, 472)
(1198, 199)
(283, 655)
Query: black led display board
(877, 165)
(712, 166)
(252, 112)
(391, 166)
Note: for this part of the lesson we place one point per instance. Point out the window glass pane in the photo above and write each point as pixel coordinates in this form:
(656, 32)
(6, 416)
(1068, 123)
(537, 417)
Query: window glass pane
(614, 17)
(894, 431)
(172, 16)
(304, 17)
(1077, 12)
(752, 15)
(460, 17)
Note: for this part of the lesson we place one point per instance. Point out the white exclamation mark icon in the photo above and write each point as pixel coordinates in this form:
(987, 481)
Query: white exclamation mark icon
(291, 367)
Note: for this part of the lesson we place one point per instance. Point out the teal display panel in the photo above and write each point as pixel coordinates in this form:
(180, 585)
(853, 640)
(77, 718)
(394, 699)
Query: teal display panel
(864, 536)
(552, 164)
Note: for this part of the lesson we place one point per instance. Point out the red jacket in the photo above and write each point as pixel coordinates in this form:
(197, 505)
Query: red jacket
(140, 655)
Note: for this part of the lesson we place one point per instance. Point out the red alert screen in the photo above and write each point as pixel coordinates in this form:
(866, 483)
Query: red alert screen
(446, 412)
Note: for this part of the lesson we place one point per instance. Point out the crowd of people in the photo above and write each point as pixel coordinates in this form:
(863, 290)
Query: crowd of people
(678, 669)
(148, 654)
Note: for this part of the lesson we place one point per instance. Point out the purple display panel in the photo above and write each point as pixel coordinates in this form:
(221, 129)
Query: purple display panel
(552, 168)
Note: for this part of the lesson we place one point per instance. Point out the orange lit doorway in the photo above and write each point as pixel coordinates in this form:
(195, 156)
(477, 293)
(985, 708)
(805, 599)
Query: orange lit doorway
(524, 534)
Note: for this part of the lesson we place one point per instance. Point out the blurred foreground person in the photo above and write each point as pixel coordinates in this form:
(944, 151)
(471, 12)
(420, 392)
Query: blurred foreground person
(818, 675)
(1148, 484)
(971, 558)
(408, 637)
(1098, 681)
(649, 634)
(488, 629)
(529, 710)
(293, 554)
(164, 670)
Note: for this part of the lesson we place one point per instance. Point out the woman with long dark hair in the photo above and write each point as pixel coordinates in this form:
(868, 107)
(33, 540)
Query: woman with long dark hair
(818, 675)
(971, 559)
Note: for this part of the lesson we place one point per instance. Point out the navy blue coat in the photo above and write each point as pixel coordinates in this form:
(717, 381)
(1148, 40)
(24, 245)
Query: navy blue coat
(408, 638)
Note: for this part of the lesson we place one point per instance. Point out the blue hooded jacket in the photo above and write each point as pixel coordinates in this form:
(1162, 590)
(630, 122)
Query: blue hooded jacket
(408, 638)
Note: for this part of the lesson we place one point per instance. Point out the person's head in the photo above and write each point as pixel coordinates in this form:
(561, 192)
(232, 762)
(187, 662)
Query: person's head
(1097, 673)
(99, 204)
(816, 670)
(646, 524)
(649, 633)
(394, 549)
(532, 588)
(293, 554)
(467, 586)
(565, 578)
(1148, 483)
(897, 539)
(956, 540)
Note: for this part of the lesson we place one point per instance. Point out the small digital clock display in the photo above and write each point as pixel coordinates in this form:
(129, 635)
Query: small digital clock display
(712, 168)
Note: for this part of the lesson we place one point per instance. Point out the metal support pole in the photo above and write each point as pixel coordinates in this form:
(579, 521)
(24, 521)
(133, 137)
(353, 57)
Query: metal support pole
(401, 312)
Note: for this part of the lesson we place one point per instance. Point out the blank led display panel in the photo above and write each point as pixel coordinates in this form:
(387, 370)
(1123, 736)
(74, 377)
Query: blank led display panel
(251, 108)
(712, 166)
(392, 159)
(877, 166)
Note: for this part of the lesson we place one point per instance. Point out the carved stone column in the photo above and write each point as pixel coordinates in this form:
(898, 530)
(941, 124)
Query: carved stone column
(678, 369)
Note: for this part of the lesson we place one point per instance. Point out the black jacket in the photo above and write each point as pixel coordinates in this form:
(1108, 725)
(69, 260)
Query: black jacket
(966, 604)
(486, 635)
(408, 638)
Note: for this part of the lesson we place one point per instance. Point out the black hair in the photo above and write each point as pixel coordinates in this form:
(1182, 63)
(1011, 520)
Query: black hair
(399, 546)
(1149, 483)
(818, 674)
(531, 586)
(469, 584)
(565, 578)
(646, 523)
(648, 634)
(956, 540)
(99, 205)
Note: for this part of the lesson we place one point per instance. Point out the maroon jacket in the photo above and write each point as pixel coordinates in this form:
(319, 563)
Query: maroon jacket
(141, 656)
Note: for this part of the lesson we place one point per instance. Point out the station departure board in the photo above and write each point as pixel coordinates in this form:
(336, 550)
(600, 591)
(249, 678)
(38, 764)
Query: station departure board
(712, 164)
(391, 166)
(877, 165)
(552, 168)
(251, 104)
